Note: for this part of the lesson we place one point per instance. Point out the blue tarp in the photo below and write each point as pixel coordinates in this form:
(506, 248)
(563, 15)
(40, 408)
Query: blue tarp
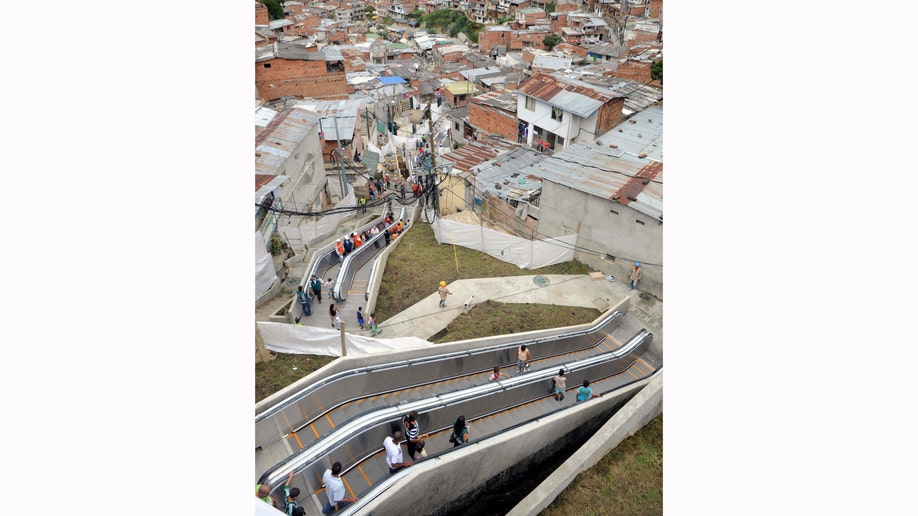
(392, 80)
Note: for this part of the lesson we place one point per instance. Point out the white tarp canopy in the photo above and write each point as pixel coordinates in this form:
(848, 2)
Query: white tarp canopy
(265, 275)
(308, 340)
(527, 254)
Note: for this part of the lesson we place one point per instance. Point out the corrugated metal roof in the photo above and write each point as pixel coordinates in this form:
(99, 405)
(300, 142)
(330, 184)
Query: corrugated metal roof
(263, 116)
(606, 172)
(275, 143)
(462, 88)
(553, 62)
(346, 112)
(505, 171)
(643, 133)
(580, 99)
(475, 153)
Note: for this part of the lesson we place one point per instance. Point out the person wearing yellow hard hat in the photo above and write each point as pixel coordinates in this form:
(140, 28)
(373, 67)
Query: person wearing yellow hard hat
(443, 291)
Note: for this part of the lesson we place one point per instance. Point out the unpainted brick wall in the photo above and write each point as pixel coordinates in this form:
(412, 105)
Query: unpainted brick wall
(295, 77)
(492, 120)
(610, 115)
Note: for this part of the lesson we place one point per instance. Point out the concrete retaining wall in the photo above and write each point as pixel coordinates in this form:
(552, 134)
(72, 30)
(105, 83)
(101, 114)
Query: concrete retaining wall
(639, 411)
(456, 479)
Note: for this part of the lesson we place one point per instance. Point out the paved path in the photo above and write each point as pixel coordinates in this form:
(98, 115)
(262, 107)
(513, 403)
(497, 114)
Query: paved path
(425, 318)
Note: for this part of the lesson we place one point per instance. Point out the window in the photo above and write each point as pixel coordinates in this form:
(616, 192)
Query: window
(641, 222)
(556, 113)
(530, 103)
(267, 65)
(559, 141)
(613, 212)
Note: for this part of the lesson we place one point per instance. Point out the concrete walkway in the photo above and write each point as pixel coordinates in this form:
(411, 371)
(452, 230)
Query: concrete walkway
(425, 318)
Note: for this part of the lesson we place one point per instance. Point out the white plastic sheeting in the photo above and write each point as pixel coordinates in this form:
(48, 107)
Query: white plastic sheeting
(263, 509)
(321, 228)
(527, 254)
(265, 275)
(309, 340)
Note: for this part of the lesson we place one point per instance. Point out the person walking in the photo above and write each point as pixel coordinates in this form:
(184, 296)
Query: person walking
(585, 392)
(393, 447)
(443, 291)
(334, 488)
(333, 314)
(460, 433)
(363, 203)
(523, 355)
(374, 327)
(560, 383)
(303, 298)
(415, 441)
(388, 236)
(635, 275)
(360, 321)
(330, 288)
(316, 285)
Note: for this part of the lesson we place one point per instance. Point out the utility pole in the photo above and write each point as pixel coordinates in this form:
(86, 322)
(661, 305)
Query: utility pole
(433, 155)
(342, 177)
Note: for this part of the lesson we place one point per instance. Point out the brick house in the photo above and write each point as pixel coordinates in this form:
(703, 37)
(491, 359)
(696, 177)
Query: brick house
(511, 40)
(261, 14)
(495, 113)
(457, 94)
(293, 70)
(562, 111)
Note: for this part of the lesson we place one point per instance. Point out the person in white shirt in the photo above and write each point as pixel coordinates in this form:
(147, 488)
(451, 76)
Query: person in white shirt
(334, 488)
(394, 452)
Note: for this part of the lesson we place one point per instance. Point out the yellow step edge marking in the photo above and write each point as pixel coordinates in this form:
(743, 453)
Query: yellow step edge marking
(606, 344)
(632, 374)
(613, 340)
(330, 421)
(348, 486)
(314, 430)
(638, 368)
(298, 442)
(287, 421)
(365, 477)
(645, 364)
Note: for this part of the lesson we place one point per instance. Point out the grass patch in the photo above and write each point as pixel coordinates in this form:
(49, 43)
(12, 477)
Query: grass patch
(276, 374)
(628, 480)
(414, 270)
(496, 318)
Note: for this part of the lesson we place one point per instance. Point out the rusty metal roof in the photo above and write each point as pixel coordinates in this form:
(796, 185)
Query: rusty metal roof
(274, 144)
(572, 96)
(609, 172)
(475, 153)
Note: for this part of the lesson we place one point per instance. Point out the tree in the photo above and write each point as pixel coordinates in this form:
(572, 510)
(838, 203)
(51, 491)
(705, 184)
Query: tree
(551, 41)
(550, 7)
(369, 9)
(275, 11)
(656, 71)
